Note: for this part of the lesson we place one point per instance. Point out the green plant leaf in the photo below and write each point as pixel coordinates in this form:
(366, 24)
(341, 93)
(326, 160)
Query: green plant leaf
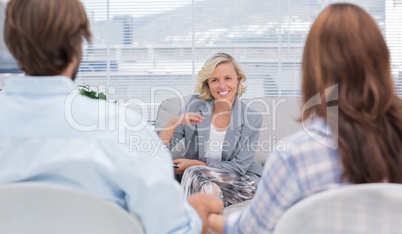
(86, 91)
(102, 96)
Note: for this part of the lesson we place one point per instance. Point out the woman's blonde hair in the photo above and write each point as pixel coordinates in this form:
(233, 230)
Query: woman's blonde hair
(206, 71)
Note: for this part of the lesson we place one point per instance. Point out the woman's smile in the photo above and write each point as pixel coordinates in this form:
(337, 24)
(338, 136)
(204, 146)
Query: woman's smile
(223, 82)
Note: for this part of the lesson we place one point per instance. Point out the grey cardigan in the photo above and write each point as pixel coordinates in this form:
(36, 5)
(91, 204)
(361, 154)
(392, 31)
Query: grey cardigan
(240, 140)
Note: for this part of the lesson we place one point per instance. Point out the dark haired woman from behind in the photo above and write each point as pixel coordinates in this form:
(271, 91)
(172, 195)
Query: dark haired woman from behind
(356, 115)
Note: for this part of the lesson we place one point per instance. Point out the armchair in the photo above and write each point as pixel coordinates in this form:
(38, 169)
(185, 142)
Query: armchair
(37, 208)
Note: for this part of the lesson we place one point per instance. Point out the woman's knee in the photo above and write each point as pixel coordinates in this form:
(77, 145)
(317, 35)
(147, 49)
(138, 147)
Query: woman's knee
(193, 171)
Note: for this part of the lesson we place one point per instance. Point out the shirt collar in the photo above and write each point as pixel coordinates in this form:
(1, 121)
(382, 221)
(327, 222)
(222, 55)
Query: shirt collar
(39, 85)
(319, 125)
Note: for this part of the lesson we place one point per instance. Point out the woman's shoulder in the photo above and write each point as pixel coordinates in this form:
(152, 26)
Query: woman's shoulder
(248, 111)
(194, 97)
(194, 102)
(245, 106)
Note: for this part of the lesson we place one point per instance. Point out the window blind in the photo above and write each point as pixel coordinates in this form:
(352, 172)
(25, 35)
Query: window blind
(393, 35)
(8, 65)
(145, 51)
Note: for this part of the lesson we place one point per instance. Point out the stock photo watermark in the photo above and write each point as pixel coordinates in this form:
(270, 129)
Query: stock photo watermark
(137, 144)
(116, 115)
(330, 137)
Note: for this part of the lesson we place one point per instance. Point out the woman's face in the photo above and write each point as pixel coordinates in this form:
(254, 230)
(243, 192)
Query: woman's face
(223, 82)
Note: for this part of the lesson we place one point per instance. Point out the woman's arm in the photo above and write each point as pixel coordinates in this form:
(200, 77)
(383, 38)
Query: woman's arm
(185, 119)
(183, 163)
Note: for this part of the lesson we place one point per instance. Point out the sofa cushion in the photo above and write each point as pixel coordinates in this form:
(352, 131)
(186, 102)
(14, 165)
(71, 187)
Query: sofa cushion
(279, 120)
(280, 116)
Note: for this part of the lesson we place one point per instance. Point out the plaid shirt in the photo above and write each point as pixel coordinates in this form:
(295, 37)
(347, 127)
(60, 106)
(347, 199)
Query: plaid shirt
(307, 165)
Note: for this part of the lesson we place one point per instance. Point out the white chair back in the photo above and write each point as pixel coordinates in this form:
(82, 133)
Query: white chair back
(37, 208)
(357, 209)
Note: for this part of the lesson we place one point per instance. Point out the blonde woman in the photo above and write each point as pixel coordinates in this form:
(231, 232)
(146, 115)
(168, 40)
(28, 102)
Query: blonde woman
(219, 131)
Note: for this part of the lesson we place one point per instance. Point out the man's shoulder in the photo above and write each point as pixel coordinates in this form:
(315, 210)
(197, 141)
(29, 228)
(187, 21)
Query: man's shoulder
(107, 113)
(106, 121)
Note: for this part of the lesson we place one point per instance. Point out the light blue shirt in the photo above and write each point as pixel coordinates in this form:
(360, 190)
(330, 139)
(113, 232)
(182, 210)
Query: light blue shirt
(307, 166)
(50, 133)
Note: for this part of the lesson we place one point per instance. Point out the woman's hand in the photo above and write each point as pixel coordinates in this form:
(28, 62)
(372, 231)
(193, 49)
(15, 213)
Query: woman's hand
(216, 223)
(187, 119)
(205, 205)
(183, 163)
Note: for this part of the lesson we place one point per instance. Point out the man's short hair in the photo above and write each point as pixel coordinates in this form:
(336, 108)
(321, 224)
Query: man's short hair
(45, 35)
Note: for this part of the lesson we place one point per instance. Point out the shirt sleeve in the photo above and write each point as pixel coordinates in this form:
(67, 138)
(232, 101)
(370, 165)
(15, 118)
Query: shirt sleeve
(177, 136)
(151, 192)
(277, 191)
(178, 133)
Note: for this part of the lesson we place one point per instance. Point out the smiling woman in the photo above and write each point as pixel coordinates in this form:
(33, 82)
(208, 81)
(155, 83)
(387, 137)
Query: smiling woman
(223, 82)
(216, 129)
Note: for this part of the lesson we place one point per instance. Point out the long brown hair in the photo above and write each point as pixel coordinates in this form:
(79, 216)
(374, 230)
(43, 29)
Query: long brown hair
(45, 35)
(345, 47)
